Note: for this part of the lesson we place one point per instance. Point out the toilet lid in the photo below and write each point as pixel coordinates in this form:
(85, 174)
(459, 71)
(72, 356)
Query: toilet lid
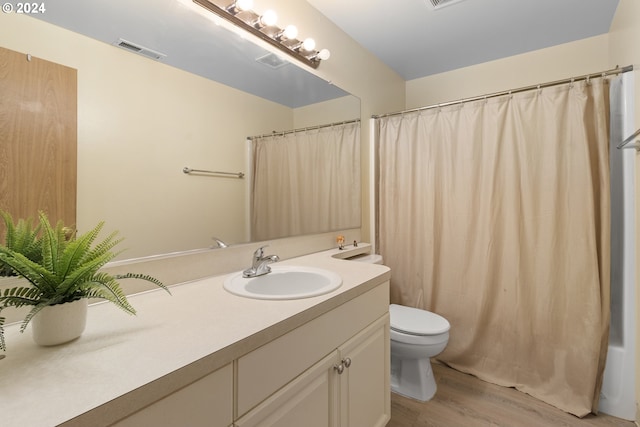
(416, 322)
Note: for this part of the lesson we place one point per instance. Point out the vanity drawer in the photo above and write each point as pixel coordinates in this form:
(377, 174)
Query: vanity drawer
(263, 371)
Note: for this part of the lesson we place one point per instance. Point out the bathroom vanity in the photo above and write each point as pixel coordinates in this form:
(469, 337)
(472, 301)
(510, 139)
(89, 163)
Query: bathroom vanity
(206, 357)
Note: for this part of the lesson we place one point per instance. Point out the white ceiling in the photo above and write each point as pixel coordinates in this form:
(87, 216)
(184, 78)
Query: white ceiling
(408, 35)
(416, 41)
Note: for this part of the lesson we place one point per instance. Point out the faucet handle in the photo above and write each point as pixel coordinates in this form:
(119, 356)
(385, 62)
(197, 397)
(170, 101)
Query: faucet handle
(220, 243)
(259, 253)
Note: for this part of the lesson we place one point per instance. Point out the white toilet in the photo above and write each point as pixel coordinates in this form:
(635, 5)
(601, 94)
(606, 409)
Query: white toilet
(416, 336)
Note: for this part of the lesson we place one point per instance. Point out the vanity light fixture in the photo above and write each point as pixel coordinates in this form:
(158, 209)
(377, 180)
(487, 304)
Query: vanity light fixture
(268, 19)
(324, 54)
(289, 32)
(309, 44)
(239, 6)
(264, 27)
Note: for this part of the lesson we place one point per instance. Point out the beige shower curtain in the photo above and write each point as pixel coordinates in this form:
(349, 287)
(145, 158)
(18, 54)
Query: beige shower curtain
(495, 215)
(305, 182)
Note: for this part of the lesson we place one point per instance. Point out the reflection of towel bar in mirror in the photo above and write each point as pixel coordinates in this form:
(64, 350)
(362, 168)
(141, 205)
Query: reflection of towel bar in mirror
(188, 170)
(627, 142)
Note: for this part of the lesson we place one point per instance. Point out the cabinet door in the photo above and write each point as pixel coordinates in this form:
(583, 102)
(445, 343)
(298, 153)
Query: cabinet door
(310, 400)
(365, 398)
(206, 402)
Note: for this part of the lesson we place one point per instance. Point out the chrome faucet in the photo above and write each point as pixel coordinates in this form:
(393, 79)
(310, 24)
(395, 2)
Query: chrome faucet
(259, 265)
(219, 243)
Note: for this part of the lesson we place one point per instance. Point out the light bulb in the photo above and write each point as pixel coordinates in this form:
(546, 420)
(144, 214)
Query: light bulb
(269, 18)
(309, 44)
(290, 32)
(324, 54)
(244, 4)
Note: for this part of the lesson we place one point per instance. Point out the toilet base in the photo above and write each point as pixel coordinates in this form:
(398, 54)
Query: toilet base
(413, 378)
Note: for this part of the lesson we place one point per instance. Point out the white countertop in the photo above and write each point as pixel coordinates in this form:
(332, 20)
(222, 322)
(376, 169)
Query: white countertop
(197, 329)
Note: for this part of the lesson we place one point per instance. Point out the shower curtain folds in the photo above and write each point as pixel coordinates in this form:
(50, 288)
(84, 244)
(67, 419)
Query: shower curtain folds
(495, 214)
(305, 181)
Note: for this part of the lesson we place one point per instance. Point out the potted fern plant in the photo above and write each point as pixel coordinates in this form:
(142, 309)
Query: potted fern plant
(62, 271)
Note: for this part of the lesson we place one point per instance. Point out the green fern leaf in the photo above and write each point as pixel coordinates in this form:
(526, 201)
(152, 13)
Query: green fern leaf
(83, 274)
(51, 244)
(23, 238)
(20, 297)
(142, 277)
(106, 287)
(3, 345)
(35, 273)
(76, 251)
(105, 246)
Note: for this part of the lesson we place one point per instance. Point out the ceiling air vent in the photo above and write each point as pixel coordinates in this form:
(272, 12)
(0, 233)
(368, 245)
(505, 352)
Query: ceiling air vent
(439, 4)
(272, 60)
(140, 50)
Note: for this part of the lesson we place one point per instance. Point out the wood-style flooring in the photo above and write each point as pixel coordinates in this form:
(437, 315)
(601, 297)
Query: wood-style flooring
(465, 401)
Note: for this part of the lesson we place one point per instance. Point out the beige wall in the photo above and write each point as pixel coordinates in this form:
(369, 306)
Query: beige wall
(554, 63)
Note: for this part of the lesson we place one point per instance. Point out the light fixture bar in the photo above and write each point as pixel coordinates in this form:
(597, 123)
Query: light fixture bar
(288, 46)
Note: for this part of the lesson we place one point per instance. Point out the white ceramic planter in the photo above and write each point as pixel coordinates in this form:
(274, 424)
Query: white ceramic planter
(60, 323)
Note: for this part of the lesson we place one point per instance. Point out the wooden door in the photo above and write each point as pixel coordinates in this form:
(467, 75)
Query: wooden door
(38, 138)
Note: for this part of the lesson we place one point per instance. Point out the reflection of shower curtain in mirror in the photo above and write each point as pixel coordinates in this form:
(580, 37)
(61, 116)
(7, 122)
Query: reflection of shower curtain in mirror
(305, 182)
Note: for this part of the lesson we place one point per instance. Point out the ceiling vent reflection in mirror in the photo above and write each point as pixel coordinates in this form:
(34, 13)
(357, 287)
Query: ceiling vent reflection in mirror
(272, 60)
(140, 50)
(263, 26)
(439, 4)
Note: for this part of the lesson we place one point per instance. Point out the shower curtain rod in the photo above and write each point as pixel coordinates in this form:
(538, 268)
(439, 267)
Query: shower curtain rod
(615, 71)
(286, 132)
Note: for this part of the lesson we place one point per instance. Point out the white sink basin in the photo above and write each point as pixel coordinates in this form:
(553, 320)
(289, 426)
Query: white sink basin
(284, 282)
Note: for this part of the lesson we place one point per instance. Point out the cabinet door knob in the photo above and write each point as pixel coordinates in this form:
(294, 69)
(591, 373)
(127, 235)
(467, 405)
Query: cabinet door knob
(347, 362)
(339, 368)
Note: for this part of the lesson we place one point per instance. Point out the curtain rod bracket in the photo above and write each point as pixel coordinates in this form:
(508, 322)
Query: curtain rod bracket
(627, 143)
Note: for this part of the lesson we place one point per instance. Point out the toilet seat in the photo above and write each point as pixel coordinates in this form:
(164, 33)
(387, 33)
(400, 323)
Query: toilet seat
(421, 340)
(414, 321)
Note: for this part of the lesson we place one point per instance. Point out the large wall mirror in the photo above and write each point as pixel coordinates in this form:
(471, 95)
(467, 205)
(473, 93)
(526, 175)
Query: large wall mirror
(142, 120)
